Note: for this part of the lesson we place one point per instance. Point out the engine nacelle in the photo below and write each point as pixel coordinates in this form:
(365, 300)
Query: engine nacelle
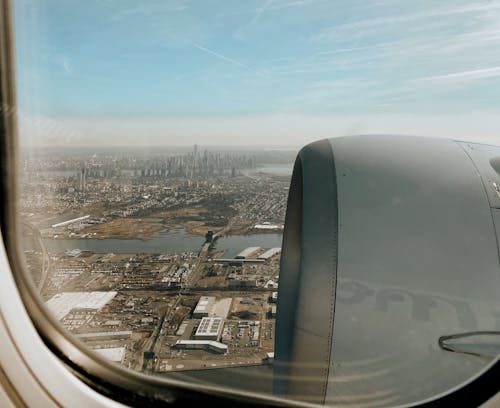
(390, 243)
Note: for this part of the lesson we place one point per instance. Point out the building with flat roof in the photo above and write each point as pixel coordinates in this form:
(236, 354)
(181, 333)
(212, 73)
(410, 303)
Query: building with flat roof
(268, 226)
(210, 328)
(207, 345)
(272, 311)
(204, 307)
(112, 323)
(221, 308)
(62, 303)
(269, 253)
(112, 335)
(115, 354)
(247, 252)
(72, 221)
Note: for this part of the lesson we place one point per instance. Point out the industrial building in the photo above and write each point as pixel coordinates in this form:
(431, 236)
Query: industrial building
(113, 335)
(204, 307)
(272, 311)
(207, 345)
(268, 226)
(210, 328)
(247, 252)
(269, 253)
(74, 253)
(69, 222)
(237, 261)
(115, 354)
(112, 323)
(182, 328)
(221, 308)
(209, 307)
(270, 284)
(62, 303)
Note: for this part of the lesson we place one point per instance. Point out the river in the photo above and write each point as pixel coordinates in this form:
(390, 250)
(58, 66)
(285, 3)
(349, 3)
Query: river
(173, 241)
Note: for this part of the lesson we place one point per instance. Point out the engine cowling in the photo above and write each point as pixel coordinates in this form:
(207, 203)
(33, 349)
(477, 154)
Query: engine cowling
(390, 243)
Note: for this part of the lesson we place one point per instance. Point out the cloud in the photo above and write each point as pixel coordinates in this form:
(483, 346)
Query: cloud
(122, 13)
(219, 55)
(260, 11)
(67, 65)
(239, 34)
(464, 76)
(366, 26)
(292, 3)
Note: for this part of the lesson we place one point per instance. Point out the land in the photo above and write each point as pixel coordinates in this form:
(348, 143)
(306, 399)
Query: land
(137, 306)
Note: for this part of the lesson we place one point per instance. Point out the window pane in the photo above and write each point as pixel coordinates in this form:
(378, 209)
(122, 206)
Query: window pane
(157, 142)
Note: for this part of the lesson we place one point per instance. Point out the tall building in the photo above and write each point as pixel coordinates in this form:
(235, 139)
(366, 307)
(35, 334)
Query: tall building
(194, 168)
(81, 180)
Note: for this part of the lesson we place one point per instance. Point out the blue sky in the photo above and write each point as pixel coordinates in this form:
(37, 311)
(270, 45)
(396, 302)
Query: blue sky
(199, 70)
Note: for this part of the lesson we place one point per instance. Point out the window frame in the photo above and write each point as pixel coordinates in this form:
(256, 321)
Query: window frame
(116, 382)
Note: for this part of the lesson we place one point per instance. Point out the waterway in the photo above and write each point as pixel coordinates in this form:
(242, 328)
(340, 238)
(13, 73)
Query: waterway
(173, 241)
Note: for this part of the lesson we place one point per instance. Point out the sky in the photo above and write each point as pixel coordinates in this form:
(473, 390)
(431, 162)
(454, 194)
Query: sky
(255, 72)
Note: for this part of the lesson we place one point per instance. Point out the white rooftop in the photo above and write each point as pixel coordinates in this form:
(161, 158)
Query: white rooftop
(113, 353)
(269, 253)
(221, 308)
(247, 252)
(202, 342)
(267, 226)
(209, 326)
(62, 303)
(92, 335)
(205, 304)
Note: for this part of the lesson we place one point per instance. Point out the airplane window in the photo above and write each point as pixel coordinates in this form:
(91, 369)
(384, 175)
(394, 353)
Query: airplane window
(171, 224)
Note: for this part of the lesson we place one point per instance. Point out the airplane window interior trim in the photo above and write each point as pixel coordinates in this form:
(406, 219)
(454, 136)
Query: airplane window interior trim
(42, 365)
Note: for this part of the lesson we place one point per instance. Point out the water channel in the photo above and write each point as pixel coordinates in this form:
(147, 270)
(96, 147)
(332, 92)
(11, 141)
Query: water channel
(173, 241)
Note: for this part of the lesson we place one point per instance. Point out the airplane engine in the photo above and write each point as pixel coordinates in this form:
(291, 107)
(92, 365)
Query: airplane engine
(389, 284)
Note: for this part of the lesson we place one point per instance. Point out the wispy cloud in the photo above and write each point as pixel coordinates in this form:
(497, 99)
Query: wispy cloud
(260, 11)
(292, 3)
(219, 55)
(67, 65)
(464, 76)
(368, 25)
(149, 9)
(260, 55)
(256, 17)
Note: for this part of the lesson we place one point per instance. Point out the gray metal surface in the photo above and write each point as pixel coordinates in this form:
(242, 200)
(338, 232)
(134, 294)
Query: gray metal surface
(417, 260)
(486, 159)
(306, 299)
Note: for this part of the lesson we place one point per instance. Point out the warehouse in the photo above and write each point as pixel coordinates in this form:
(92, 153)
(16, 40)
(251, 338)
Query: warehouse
(115, 354)
(204, 307)
(62, 303)
(247, 252)
(210, 328)
(269, 253)
(212, 346)
(112, 335)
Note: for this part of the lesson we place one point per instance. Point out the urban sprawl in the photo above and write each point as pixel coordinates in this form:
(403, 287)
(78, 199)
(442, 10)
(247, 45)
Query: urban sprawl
(161, 261)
